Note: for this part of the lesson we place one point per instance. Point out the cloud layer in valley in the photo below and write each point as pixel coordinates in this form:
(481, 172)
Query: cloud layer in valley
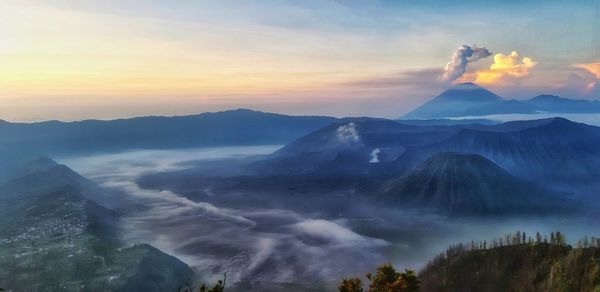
(268, 244)
(251, 244)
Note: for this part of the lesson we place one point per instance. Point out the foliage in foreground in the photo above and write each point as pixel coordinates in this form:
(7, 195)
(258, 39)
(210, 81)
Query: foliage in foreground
(386, 279)
(218, 287)
(516, 263)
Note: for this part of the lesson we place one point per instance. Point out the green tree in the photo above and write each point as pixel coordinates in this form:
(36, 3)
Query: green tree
(386, 279)
(410, 280)
(351, 285)
(219, 287)
(560, 238)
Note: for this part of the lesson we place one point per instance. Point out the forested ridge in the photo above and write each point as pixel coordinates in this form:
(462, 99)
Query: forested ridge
(516, 262)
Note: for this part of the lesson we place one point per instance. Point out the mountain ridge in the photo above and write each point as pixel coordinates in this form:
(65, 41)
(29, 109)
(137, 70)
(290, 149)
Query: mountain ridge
(470, 99)
(240, 127)
(554, 148)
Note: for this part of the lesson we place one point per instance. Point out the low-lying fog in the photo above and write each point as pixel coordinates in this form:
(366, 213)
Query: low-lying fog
(590, 119)
(265, 245)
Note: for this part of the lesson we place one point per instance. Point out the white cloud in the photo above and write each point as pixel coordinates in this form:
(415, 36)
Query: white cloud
(335, 233)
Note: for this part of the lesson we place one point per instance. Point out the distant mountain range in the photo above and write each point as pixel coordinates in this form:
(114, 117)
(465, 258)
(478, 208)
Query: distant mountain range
(491, 169)
(24, 141)
(556, 148)
(543, 151)
(233, 127)
(552, 149)
(470, 99)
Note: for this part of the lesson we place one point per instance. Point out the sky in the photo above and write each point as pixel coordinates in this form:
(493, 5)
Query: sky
(73, 60)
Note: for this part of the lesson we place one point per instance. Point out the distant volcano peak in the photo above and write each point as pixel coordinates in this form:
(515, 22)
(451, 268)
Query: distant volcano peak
(470, 90)
(456, 101)
(466, 86)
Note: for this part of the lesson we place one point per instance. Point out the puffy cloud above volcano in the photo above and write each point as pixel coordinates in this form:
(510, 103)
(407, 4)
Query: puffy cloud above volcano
(593, 68)
(461, 58)
(506, 69)
(590, 86)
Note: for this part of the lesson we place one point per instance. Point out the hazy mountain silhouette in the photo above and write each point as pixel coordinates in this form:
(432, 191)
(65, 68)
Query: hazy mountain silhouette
(556, 148)
(457, 101)
(354, 147)
(539, 149)
(468, 184)
(470, 99)
(556, 104)
(227, 128)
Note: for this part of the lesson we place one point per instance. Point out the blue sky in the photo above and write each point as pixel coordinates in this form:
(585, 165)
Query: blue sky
(103, 59)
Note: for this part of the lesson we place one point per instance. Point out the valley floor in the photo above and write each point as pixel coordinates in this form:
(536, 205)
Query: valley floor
(271, 238)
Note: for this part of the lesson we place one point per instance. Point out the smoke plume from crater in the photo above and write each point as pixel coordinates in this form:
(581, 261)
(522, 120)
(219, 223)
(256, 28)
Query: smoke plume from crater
(457, 66)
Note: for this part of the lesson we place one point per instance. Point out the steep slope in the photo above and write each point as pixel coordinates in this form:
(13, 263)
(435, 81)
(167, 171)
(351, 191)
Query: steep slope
(468, 184)
(22, 168)
(45, 180)
(549, 149)
(53, 238)
(352, 147)
(556, 149)
(457, 101)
